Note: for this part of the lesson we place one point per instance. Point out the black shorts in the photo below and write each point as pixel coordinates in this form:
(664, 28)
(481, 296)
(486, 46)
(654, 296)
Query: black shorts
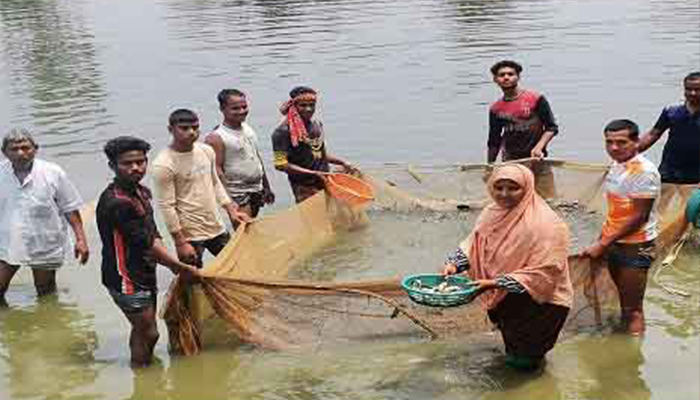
(687, 176)
(213, 245)
(254, 199)
(303, 192)
(633, 255)
(136, 302)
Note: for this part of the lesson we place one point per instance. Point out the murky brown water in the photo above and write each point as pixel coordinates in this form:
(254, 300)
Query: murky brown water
(403, 81)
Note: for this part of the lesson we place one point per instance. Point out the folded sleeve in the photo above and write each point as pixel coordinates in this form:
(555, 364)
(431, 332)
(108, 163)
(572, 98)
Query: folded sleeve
(280, 147)
(646, 185)
(510, 285)
(495, 131)
(663, 122)
(544, 112)
(459, 260)
(67, 197)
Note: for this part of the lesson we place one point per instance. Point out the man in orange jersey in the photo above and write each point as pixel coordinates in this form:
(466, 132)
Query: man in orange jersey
(632, 187)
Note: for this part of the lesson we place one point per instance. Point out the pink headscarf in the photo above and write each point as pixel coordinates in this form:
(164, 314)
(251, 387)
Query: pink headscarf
(529, 243)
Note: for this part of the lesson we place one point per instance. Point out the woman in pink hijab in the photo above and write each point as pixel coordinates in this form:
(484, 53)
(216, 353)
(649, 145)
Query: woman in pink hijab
(517, 254)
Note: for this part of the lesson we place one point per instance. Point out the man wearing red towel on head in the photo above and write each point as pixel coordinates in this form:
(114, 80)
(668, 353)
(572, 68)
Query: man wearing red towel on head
(299, 146)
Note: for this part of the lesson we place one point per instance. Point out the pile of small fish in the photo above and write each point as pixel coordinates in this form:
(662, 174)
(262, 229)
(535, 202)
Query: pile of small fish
(442, 288)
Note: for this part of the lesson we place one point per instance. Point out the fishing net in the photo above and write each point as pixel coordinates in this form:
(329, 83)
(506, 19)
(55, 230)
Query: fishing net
(323, 271)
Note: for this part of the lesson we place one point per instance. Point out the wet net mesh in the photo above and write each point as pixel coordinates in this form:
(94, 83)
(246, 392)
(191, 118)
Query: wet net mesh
(265, 285)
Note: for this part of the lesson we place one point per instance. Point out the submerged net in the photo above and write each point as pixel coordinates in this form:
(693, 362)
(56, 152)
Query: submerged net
(277, 284)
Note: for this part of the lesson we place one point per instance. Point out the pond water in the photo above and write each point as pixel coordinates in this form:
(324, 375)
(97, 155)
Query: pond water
(399, 81)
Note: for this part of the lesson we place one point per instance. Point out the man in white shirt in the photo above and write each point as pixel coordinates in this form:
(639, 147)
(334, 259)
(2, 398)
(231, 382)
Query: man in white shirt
(238, 161)
(189, 192)
(36, 201)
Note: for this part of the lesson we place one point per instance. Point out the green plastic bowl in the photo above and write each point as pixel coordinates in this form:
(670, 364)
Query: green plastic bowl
(456, 298)
(692, 209)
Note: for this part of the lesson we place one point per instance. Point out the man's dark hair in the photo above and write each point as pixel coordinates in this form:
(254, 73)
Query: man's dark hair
(119, 145)
(691, 76)
(299, 90)
(506, 64)
(182, 115)
(623, 124)
(226, 93)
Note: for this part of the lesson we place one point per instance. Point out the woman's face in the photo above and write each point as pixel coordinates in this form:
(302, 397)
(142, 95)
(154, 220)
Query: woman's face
(507, 193)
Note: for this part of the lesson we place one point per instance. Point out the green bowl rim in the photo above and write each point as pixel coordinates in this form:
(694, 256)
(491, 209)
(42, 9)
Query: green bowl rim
(406, 279)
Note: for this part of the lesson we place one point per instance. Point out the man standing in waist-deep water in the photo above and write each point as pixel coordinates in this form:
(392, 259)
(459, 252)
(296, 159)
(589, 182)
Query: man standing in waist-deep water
(189, 192)
(522, 124)
(299, 147)
(680, 163)
(238, 162)
(36, 201)
(132, 246)
(632, 188)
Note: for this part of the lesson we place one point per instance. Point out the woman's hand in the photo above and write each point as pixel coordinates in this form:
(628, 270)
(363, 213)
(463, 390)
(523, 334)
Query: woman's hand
(484, 285)
(449, 269)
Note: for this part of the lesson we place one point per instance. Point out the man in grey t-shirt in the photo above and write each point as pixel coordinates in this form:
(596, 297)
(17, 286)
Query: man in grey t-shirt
(238, 160)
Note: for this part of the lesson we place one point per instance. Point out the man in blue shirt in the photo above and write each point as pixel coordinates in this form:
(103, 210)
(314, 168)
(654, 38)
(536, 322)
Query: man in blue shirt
(680, 163)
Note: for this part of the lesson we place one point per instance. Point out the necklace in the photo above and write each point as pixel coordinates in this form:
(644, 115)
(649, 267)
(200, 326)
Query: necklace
(315, 143)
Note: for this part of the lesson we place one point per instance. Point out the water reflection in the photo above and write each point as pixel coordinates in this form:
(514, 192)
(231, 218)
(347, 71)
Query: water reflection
(682, 306)
(48, 349)
(208, 376)
(150, 383)
(538, 385)
(52, 59)
(257, 34)
(613, 366)
(392, 245)
(469, 22)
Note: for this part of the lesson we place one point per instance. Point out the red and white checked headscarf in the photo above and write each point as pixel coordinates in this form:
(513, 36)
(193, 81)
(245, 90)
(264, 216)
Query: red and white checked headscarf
(297, 128)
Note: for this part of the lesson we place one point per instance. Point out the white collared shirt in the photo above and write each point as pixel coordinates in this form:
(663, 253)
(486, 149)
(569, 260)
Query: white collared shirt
(33, 226)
